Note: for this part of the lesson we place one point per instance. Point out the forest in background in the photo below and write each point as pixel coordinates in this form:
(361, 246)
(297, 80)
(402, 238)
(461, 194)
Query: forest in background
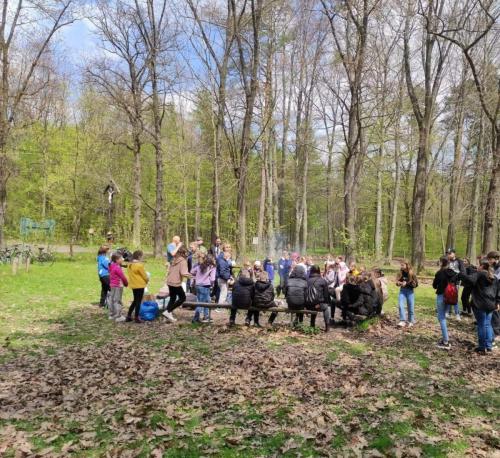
(365, 127)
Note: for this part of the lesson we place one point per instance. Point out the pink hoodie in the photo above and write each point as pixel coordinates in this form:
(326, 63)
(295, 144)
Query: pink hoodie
(343, 271)
(117, 278)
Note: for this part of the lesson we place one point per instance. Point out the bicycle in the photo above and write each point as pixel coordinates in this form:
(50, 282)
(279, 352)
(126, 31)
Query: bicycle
(44, 257)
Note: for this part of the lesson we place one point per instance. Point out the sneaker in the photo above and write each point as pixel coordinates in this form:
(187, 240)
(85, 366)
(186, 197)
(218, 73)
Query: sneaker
(410, 324)
(120, 319)
(402, 324)
(247, 322)
(128, 319)
(444, 345)
(257, 325)
(206, 320)
(168, 315)
(111, 317)
(458, 317)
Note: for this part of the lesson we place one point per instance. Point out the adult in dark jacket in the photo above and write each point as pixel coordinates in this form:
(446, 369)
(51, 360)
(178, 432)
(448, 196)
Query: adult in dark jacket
(494, 260)
(317, 283)
(368, 299)
(442, 278)
(486, 300)
(467, 290)
(284, 267)
(349, 296)
(295, 291)
(263, 297)
(243, 293)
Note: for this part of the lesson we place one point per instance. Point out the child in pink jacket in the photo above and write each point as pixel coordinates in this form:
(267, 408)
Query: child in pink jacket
(117, 281)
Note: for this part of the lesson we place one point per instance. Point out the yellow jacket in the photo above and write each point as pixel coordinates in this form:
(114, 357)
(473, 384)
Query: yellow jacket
(137, 277)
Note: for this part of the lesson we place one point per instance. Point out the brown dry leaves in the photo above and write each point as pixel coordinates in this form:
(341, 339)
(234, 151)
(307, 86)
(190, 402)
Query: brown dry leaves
(165, 384)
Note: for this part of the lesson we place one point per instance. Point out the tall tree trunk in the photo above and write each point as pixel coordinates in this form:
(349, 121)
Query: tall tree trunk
(476, 191)
(262, 206)
(197, 198)
(378, 213)
(493, 193)
(215, 228)
(137, 203)
(457, 163)
(397, 185)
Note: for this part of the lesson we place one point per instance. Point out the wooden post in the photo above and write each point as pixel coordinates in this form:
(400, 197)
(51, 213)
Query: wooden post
(15, 265)
(27, 263)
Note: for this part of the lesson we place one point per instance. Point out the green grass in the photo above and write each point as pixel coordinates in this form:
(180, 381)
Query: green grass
(370, 375)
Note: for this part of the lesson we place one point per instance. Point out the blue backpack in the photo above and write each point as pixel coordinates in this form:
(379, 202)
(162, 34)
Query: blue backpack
(149, 311)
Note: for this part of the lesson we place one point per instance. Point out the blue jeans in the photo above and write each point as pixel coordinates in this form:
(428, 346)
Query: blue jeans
(407, 295)
(484, 328)
(202, 295)
(442, 310)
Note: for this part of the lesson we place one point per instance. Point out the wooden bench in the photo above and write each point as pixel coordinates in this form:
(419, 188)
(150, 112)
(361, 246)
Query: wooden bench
(193, 305)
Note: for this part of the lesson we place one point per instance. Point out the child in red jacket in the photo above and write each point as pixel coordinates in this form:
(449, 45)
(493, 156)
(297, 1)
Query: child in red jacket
(117, 281)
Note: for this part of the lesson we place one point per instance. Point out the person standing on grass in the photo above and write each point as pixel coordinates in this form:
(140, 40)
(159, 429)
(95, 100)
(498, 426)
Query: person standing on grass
(407, 282)
(103, 272)
(284, 268)
(173, 247)
(268, 267)
(486, 300)
(224, 272)
(117, 281)
(177, 273)
(458, 267)
(204, 278)
(494, 261)
(444, 276)
(137, 281)
(467, 290)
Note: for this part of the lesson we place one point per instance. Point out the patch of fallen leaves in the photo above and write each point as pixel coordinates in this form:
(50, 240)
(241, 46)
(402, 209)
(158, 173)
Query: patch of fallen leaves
(165, 384)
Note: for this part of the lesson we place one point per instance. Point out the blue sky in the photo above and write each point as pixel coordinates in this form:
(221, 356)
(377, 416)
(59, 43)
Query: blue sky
(77, 39)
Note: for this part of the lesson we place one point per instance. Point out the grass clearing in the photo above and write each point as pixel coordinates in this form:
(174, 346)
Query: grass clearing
(94, 387)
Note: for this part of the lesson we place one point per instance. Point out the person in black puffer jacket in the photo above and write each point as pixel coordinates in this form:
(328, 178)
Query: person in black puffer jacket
(367, 303)
(243, 292)
(295, 291)
(466, 292)
(486, 300)
(263, 297)
(349, 296)
(320, 285)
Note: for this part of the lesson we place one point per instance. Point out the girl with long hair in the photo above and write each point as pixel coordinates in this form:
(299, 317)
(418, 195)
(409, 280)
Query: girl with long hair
(204, 279)
(407, 282)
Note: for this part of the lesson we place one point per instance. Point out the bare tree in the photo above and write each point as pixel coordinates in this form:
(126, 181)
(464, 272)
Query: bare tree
(20, 55)
(122, 79)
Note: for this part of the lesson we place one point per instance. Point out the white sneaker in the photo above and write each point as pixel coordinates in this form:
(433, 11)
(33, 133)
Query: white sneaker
(111, 317)
(402, 324)
(458, 317)
(410, 324)
(169, 316)
(120, 319)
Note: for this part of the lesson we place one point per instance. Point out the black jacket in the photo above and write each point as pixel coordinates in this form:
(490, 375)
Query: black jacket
(485, 293)
(317, 282)
(264, 295)
(350, 295)
(295, 290)
(442, 278)
(366, 303)
(243, 293)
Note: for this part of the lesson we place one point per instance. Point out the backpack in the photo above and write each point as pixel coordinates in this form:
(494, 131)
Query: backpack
(450, 294)
(313, 295)
(149, 311)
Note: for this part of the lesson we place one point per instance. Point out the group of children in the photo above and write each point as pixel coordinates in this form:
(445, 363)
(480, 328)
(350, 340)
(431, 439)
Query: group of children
(305, 286)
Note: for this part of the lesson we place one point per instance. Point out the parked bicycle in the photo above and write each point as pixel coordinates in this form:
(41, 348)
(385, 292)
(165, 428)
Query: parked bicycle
(44, 257)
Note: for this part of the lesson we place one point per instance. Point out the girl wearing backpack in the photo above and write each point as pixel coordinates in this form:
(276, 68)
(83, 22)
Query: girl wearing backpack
(407, 281)
(445, 288)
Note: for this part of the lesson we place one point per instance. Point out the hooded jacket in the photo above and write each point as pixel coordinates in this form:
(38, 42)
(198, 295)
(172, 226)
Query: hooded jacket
(485, 293)
(243, 293)
(317, 282)
(350, 295)
(295, 290)
(263, 295)
(441, 280)
(178, 269)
